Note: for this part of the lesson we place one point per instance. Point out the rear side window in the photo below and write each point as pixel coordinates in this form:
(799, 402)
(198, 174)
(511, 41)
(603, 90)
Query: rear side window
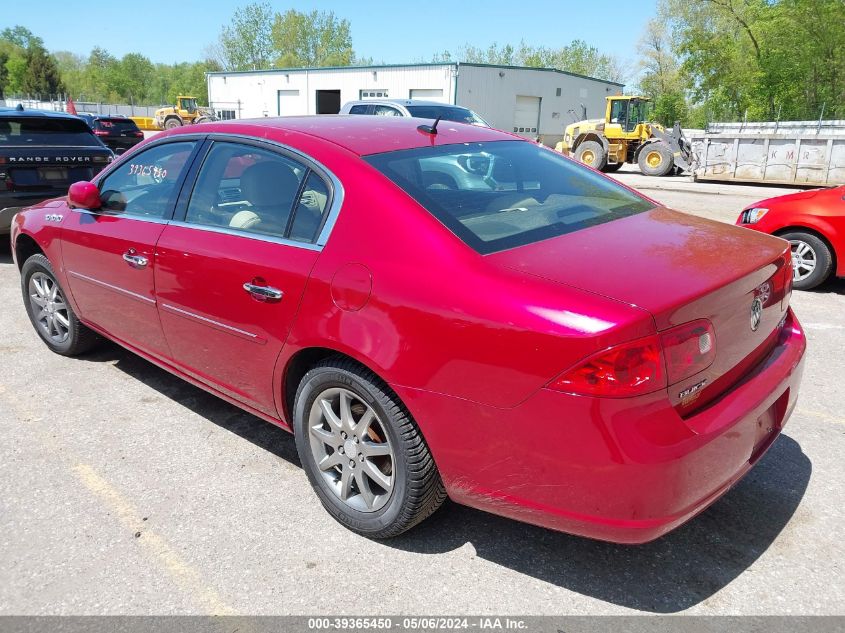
(358, 109)
(40, 131)
(252, 190)
(506, 194)
(383, 110)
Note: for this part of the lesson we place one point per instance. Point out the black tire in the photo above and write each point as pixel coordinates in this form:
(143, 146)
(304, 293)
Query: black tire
(79, 338)
(592, 153)
(172, 122)
(417, 490)
(819, 251)
(610, 168)
(655, 159)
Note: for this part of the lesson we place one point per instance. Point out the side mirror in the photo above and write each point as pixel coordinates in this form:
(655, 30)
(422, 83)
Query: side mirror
(83, 195)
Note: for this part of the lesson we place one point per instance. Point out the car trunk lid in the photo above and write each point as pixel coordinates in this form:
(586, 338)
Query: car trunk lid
(680, 268)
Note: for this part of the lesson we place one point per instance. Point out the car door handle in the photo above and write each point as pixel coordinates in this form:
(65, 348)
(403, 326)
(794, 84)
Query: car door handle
(133, 259)
(266, 294)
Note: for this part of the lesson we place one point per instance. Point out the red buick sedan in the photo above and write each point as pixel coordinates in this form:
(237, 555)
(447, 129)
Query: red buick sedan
(814, 223)
(449, 311)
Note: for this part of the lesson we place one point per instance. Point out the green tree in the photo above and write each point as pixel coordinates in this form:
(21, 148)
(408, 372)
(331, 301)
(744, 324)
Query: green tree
(576, 57)
(660, 77)
(133, 77)
(42, 76)
(21, 37)
(314, 39)
(246, 43)
(761, 58)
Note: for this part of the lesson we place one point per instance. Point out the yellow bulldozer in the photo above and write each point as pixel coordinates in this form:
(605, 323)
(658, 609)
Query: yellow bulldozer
(185, 112)
(627, 135)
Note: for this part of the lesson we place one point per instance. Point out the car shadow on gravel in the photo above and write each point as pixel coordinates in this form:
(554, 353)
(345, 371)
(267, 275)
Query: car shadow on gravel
(834, 286)
(269, 437)
(669, 575)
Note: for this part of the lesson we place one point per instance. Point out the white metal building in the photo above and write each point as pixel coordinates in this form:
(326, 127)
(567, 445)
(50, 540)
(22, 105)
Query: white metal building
(533, 102)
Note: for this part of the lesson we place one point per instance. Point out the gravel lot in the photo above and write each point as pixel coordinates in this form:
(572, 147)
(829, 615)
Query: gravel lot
(125, 490)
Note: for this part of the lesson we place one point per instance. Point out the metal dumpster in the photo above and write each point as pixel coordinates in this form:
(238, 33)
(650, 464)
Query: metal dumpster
(808, 153)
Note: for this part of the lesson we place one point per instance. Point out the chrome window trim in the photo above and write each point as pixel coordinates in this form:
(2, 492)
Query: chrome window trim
(128, 293)
(224, 230)
(129, 216)
(252, 337)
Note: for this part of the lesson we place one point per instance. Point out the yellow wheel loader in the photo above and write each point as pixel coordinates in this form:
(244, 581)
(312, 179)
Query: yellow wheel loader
(626, 135)
(185, 112)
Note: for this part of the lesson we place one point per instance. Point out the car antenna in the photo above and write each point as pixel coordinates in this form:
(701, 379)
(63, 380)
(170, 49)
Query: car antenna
(429, 129)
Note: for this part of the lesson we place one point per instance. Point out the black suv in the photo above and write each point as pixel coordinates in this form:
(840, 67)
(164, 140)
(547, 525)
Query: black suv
(117, 132)
(41, 155)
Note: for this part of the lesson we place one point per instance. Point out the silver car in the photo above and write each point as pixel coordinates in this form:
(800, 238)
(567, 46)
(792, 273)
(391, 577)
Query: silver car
(414, 108)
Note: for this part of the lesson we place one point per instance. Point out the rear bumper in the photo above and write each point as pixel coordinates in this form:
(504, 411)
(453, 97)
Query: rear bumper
(621, 470)
(6, 216)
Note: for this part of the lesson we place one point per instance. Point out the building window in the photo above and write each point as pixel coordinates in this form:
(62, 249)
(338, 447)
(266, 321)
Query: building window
(225, 115)
(375, 93)
(557, 92)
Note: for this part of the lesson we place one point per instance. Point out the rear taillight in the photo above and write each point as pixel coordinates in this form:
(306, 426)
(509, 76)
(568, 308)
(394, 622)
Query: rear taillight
(630, 369)
(688, 349)
(139, 134)
(788, 278)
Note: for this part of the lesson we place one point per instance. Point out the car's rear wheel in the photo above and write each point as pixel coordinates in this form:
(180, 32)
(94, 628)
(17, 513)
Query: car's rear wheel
(592, 153)
(50, 313)
(655, 159)
(363, 454)
(812, 261)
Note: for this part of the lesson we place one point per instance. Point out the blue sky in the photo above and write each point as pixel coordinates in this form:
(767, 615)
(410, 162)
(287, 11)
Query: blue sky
(393, 31)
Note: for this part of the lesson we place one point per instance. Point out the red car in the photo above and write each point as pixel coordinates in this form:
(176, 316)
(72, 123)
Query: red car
(814, 223)
(433, 310)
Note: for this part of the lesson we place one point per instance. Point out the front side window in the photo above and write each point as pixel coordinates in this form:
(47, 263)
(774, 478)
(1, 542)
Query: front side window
(145, 185)
(504, 194)
(252, 190)
(619, 112)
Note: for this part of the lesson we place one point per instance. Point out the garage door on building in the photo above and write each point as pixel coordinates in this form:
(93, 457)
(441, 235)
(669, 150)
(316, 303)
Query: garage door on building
(288, 103)
(431, 94)
(526, 116)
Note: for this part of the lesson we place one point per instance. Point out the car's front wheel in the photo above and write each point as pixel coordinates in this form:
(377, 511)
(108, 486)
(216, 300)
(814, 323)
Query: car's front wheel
(51, 315)
(363, 454)
(812, 261)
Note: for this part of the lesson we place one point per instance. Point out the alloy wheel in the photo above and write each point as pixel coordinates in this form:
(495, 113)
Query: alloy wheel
(49, 308)
(352, 449)
(804, 260)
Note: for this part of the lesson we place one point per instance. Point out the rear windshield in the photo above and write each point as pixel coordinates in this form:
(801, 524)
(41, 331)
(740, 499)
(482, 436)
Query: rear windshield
(32, 131)
(116, 125)
(500, 195)
(447, 113)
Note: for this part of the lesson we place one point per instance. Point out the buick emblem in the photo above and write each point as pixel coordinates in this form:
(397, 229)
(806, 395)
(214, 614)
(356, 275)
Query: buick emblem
(756, 313)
